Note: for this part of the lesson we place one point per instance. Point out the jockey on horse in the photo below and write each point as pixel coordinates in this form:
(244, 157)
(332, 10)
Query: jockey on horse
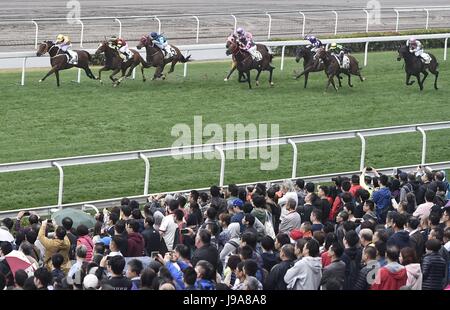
(161, 42)
(121, 46)
(339, 51)
(64, 44)
(246, 43)
(416, 48)
(315, 43)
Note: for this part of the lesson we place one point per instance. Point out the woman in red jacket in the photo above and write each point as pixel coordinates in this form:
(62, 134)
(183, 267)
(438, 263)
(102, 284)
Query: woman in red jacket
(85, 239)
(392, 276)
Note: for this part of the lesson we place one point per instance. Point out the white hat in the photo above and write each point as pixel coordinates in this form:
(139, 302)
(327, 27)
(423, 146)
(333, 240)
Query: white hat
(90, 281)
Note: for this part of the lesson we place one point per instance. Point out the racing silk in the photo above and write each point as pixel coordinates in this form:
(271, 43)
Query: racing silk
(160, 40)
(64, 45)
(247, 40)
(337, 50)
(316, 44)
(416, 49)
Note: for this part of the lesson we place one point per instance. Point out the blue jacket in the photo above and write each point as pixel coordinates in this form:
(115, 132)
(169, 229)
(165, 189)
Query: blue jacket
(400, 239)
(204, 285)
(177, 274)
(382, 200)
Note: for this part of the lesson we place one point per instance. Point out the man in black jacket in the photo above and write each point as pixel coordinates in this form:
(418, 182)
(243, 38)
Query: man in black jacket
(368, 272)
(433, 267)
(275, 279)
(205, 251)
(151, 236)
(336, 270)
(415, 235)
(351, 258)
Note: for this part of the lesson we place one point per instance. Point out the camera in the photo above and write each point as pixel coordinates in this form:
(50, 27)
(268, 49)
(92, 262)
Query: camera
(368, 168)
(26, 213)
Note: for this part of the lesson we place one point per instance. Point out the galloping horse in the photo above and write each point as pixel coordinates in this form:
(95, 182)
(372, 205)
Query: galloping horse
(333, 68)
(415, 66)
(59, 61)
(245, 62)
(155, 57)
(114, 62)
(232, 38)
(310, 64)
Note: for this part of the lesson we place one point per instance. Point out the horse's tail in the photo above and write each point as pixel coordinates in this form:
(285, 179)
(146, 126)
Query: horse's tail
(184, 59)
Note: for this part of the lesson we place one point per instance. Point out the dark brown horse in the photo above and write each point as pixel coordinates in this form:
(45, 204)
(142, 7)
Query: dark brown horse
(232, 38)
(59, 60)
(333, 68)
(245, 62)
(114, 62)
(156, 58)
(415, 66)
(310, 63)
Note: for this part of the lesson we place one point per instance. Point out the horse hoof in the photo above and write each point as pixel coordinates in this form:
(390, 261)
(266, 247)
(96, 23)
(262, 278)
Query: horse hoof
(257, 83)
(272, 84)
(40, 81)
(225, 79)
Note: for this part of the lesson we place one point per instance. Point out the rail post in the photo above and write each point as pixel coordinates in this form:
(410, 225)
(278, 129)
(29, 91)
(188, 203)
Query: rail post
(36, 32)
(367, 20)
(235, 22)
(397, 13)
(363, 151)
(222, 165)
(198, 28)
(24, 64)
(147, 173)
(424, 144)
(294, 158)
(336, 22)
(120, 26)
(270, 26)
(61, 184)
(303, 23)
(282, 57)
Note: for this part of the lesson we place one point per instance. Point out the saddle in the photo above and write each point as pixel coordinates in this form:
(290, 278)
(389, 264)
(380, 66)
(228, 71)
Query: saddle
(425, 58)
(170, 52)
(345, 61)
(74, 56)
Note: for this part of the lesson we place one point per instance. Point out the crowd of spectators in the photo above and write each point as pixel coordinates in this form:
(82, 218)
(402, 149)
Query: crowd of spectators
(368, 232)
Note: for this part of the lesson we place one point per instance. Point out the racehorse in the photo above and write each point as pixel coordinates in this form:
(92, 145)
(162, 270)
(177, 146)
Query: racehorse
(414, 66)
(310, 64)
(114, 62)
(245, 62)
(59, 61)
(333, 68)
(155, 57)
(232, 38)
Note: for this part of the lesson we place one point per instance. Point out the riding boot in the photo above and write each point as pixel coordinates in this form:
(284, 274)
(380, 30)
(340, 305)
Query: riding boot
(70, 57)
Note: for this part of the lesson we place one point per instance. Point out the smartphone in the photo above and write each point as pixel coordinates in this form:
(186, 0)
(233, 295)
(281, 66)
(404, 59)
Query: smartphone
(49, 221)
(154, 254)
(184, 231)
(394, 203)
(369, 169)
(26, 213)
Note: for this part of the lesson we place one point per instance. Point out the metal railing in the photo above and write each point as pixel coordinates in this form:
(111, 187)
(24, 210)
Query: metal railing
(265, 20)
(221, 148)
(283, 44)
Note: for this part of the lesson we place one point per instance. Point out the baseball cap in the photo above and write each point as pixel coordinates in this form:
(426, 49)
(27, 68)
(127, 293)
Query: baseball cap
(238, 203)
(90, 281)
(296, 234)
(105, 240)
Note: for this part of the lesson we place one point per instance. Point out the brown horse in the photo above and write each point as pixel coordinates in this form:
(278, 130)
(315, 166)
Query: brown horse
(232, 38)
(59, 60)
(333, 68)
(310, 63)
(245, 62)
(155, 57)
(114, 62)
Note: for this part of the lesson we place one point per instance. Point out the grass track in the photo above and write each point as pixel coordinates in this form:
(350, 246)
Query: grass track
(40, 121)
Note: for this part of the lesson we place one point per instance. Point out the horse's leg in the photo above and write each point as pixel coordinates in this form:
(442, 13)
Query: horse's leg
(52, 70)
(270, 75)
(408, 77)
(89, 73)
(114, 73)
(57, 77)
(233, 67)
(172, 66)
(143, 75)
(305, 71)
(257, 77)
(248, 79)
(419, 81)
(349, 79)
(436, 75)
(306, 78)
(157, 73)
(425, 75)
(339, 79)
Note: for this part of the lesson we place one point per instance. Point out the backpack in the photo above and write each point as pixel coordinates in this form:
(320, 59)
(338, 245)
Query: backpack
(269, 226)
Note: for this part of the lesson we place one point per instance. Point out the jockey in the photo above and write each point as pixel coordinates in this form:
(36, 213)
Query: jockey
(245, 40)
(64, 44)
(315, 43)
(161, 42)
(121, 46)
(338, 50)
(416, 47)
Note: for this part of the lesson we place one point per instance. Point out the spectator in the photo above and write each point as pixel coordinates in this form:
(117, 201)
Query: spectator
(168, 226)
(393, 275)
(81, 254)
(59, 244)
(424, 209)
(230, 271)
(42, 278)
(415, 236)
(224, 235)
(233, 244)
(275, 279)
(189, 279)
(252, 284)
(408, 259)
(433, 267)
(238, 213)
(288, 192)
(116, 265)
(325, 202)
(19, 279)
(217, 202)
(369, 211)
(86, 240)
(114, 246)
(325, 256)
(316, 220)
(67, 223)
(249, 222)
(231, 194)
(400, 238)
(368, 271)
(205, 251)
(151, 236)
(205, 275)
(136, 243)
(307, 272)
(148, 277)
(57, 274)
(291, 220)
(365, 237)
(335, 271)
(259, 211)
(352, 258)
(382, 199)
(268, 256)
(134, 269)
(5, 249)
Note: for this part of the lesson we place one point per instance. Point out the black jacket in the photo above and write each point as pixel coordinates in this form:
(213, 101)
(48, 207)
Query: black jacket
(152, 240)
(207, 252)
(269, 260)
(334, 271)
(399, 239)
(352, 260)
(275, 279)
(362, 284)
(418, 243)
(434, 271)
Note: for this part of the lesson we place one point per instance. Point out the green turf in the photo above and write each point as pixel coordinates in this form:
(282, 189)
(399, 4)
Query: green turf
(40, 121)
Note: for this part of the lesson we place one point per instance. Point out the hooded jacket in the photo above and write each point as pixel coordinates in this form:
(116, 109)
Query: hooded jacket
(414, 276)
(390, 277)
(232, 244)
(136, 245)
(305, 274)
(400, 239)
(352, 260)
